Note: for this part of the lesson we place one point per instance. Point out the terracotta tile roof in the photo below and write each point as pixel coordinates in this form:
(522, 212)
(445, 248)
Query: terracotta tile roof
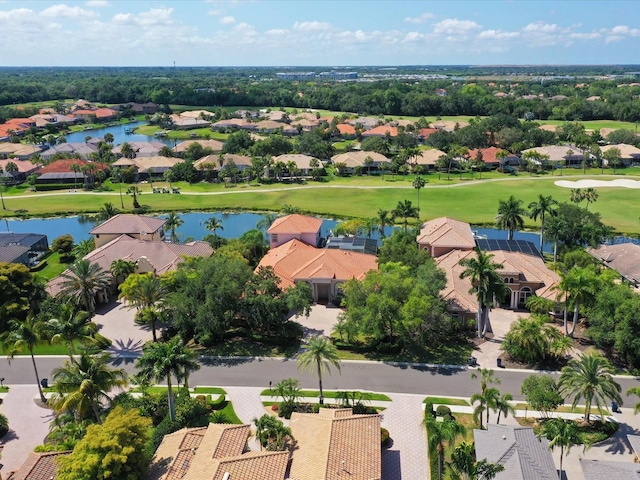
(427, 157)
(556, 152)
(356, 158)
(144, 164)
(346, 129)
(38, 466)
(425, 132)
(64, 165)
(239, 160)
(448, 125)
(295, 223)
(626, 151)
(124, 223)
(162, 256)
(456, 292)
(381, 131)
(104, 113)
(24, 166)
(446, 232)
(214, 145)
(208, 453)
(296, 260)
(334, 442)
(197, 114)
(302, 162)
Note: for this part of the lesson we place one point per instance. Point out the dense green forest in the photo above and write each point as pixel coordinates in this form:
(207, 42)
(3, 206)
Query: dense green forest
(406, 91)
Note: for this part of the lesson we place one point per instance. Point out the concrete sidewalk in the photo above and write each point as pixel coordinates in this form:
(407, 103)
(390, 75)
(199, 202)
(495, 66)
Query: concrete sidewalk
(28, 423)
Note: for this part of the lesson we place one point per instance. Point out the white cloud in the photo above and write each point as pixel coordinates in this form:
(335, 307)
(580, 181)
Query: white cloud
(625, 30)
(65, 11)
(153, 17)
(97, 3)
(497, 35)
(414, 37)
(585, 36)
(542, 27)
(453, 26)
(228, 20)
(419, 19)
(15, 15)
(311, 26)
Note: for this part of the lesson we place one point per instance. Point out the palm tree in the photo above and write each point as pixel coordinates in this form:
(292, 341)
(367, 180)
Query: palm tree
(75, 168)
(419, 183)
(383, 220)
(107, 210)
(577, 195)
(265, 222)
(578, 285)
(134, 192)
(108, 137)
(3, 182)
(561, 433)
(504, 407)
(160, 361)
(82, 282)
(440, 432)
(83, 386)
(147, 294)
(27, 334)
(83, 247)
(590, 195)
(74, 326)
(212, 224)
(272, 433)
(464, 464)
(510, 213)
(173, 222)
(486, 283)
(121, 269)
(321, 354)
(405, 210)
(590, 377)
(166, 151)
(127, 151)
(487, 401)
(544, 206)
(635, 391)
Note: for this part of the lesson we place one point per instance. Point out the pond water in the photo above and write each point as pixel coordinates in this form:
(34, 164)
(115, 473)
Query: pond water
(119, 135)
(234, 225)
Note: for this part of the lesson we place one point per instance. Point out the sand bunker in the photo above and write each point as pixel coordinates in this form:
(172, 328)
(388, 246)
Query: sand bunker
(598, 183)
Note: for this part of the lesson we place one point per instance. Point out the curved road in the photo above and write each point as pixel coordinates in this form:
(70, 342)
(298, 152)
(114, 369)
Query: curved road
(373, 376)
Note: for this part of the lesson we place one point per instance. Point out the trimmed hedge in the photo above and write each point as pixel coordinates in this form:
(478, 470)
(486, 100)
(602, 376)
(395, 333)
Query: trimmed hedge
(443, 411)
(385, 439)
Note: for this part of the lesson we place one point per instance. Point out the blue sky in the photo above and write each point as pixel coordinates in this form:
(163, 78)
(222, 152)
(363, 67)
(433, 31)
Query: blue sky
(322, 33)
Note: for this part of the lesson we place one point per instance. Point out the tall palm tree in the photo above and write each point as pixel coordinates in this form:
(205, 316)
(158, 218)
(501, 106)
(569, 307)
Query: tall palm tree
(162, 361)
(320, 354)
(127, 151)
(561, 433)
(510, 213)
(542, 207)
(25, 335)
(504, 407)
(72, 327)
(121, 269)
(486, 401)
(134, 192)
(486, 283)
(383, 220)
(107, 210)
(173, 222)
(75, 168)
(590, 377)
(405, 210)
(577, 195)
(82, 282)
(147, 294)
(418, 184)
(440, 432)
(83, 386)
(590, 195)
(212, 224)
(578, 284)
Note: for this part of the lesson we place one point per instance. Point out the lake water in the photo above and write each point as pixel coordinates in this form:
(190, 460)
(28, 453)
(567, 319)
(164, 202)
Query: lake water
(235, 224)
(119, 135)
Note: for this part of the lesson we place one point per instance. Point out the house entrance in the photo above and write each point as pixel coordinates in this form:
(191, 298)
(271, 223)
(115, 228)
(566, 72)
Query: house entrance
(323, 292)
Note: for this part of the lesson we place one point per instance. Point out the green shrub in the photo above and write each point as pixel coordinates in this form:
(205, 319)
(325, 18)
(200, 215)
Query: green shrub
(316, 407)
(362, 409)
(443, 411)
(4, 425)
(428, 409)
(221, 400)
(385, 439)
(285, 410)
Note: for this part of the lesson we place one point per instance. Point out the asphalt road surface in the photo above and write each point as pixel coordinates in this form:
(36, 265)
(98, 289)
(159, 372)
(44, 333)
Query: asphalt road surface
(371, 376)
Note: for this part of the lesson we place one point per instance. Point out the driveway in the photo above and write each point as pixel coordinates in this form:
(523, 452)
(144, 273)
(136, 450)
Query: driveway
(116, 322)
(320, 321)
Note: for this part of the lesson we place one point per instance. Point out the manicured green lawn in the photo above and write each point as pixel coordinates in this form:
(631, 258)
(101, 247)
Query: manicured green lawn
(369, 396)
(562, 408)
(209, 390)
(200, 133)
(446, 401)
(474, 202)
(45, 349)
(53, 268)
(590, 433)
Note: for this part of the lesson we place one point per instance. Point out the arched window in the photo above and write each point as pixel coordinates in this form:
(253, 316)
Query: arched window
(525, 292)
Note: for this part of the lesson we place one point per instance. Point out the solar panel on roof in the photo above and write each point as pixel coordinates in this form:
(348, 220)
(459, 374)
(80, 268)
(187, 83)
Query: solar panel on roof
(522, 246)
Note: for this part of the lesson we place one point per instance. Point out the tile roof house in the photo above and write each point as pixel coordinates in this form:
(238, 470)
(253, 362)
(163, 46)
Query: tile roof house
(197, 114)
(490, 157)
(38, 466)
(335, 444)
(77, 148)
(346, 130)
(186, 123)
(607, 470)
(356, 158)
(381, 131)
(18, 151)
(149, 255)
(443, 234)
(323, 269)
(624, 258)
(230, 123)
(448, 125)
(216, 452)
(427, 158)
(424, 133)
(25, 168)
(567, 154)
(215, 146)
(303, 162)
(523, 455)
(212, 162)
(136, 226)
(292, 226)
(629, 154)
(59, 171)
(142, 149)
(147, 166)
